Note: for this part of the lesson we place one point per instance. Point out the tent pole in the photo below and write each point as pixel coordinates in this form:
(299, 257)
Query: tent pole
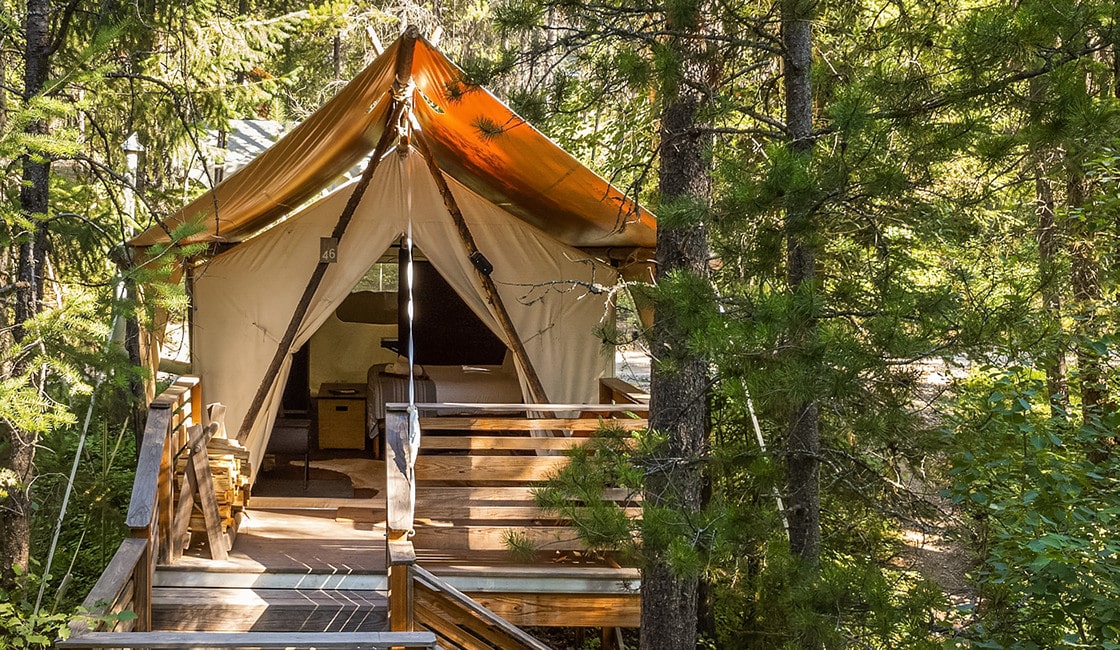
(388, 138)
(536, 389)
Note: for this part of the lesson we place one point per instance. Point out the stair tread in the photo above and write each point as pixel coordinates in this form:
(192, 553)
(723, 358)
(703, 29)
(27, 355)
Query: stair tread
(268, 610)
(222, 597)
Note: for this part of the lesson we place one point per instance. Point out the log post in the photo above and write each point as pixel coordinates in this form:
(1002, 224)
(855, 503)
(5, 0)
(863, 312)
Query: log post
(400, 491)
(388, 138)
(501, 314)
(402, 556)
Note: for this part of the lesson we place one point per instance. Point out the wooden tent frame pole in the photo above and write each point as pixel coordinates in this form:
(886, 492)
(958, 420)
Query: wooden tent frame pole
(536, 388)
(403, 71)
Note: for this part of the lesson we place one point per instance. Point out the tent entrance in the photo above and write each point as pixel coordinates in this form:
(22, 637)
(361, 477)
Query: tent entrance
(446, 331)
(353, 363)
(248, 297)
(369, 328)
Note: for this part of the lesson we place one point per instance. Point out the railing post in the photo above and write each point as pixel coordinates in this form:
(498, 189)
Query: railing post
(606, 395)
(164, 503)
(198, 415)
(401, 559)
(142, 578)
(400, 498)
(400, 492)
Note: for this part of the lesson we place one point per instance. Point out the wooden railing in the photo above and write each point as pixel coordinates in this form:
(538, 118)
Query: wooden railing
(260, 640)
(495, 455)
(423, 600)
(126, 584)
(470, 489)
(618, 391)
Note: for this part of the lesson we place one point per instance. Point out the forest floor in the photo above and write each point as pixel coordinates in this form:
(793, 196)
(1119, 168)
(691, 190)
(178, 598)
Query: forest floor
(935, 546)
(935, 551)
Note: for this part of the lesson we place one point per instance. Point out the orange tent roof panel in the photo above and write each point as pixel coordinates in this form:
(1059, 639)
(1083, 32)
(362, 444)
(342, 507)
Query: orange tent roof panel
(475, 138)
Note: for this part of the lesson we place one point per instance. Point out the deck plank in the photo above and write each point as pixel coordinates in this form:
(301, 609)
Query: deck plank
(299, 541)
(507, 469)
(264, 641)
(269, 610)
(452, 423)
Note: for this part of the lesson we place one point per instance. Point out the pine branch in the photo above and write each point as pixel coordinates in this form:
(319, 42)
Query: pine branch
(63, 27)
(181, 113)
(1051, 63)
(13, 287)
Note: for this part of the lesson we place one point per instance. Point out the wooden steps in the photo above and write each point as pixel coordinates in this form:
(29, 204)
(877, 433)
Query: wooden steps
(267, 601)
(268, 610)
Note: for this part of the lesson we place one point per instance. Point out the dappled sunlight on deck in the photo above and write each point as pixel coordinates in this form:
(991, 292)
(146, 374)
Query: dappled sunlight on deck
(308, 540)
(487, 558)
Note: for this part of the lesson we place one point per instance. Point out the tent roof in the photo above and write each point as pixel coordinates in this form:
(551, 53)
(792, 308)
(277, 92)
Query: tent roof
(474, 137)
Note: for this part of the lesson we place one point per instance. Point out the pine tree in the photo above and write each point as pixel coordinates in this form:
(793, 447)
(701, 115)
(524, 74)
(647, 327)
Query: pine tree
(18, 444)
(679, 386)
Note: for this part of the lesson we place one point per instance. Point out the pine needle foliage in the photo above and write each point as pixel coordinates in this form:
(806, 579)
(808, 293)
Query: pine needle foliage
(577, 492)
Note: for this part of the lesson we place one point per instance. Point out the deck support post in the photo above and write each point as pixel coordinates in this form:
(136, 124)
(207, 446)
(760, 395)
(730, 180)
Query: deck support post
(501, 314)
(401, 558)
(388, 138)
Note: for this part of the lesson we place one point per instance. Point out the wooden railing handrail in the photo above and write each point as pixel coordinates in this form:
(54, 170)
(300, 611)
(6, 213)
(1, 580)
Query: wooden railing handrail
(113, 580)
(142, 505)
(263, 640)
(115, 576)
(148, 515)
(613, 390)
(453, 597)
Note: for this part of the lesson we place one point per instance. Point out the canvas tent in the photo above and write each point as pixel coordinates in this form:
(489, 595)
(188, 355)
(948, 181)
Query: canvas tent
(544, 222)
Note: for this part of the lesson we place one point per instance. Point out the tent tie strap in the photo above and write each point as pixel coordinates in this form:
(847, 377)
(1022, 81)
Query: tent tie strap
(401, 92)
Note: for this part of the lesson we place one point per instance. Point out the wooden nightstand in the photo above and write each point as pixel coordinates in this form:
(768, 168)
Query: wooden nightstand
(342, 416)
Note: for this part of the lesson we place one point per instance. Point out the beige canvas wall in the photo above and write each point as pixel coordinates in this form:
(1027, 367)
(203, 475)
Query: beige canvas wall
(244, 298)
(343, 352)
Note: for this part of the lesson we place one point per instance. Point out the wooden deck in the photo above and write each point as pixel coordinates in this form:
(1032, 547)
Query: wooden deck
(298, 539)
(434, 555)
(309, 563)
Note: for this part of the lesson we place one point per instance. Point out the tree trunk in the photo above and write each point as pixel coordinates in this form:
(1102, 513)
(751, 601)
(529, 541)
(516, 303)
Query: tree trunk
(19, 446)
(1056, 383)
(803, 437)
(1086, 298)
(678, 402)
(33, 193)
